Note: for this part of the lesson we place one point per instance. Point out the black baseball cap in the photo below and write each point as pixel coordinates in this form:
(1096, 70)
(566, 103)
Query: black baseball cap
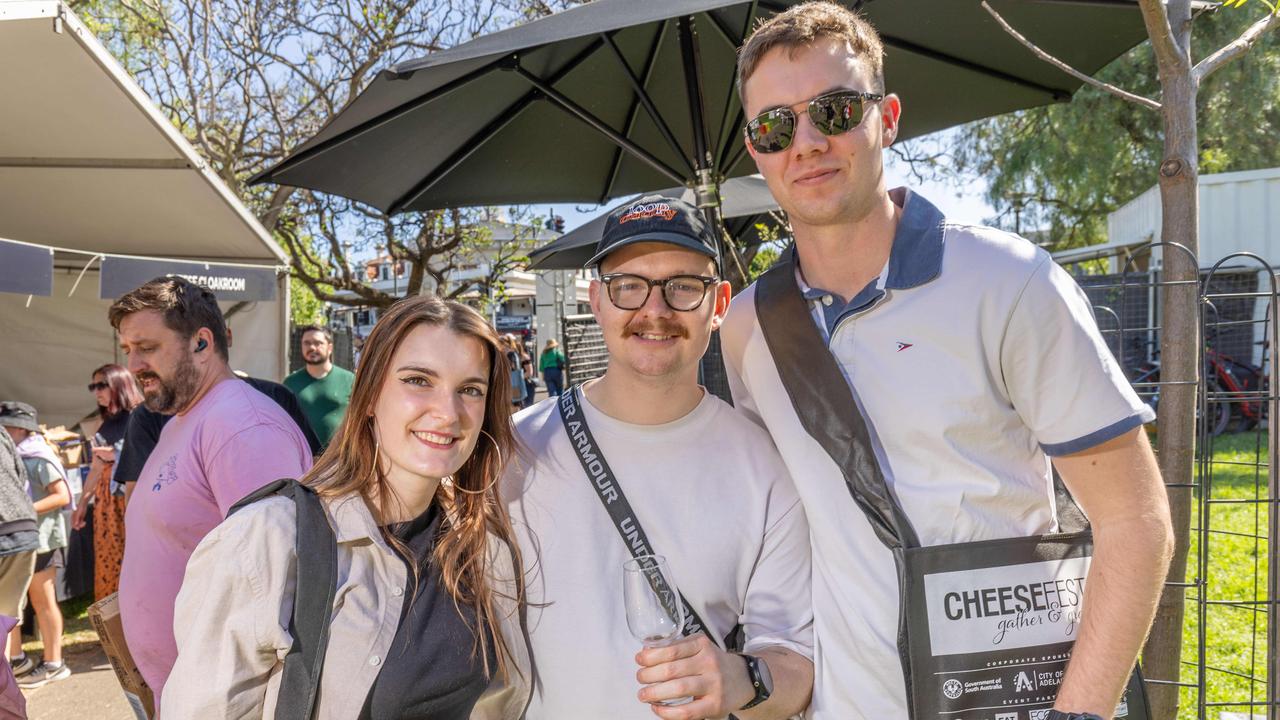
(655, 218)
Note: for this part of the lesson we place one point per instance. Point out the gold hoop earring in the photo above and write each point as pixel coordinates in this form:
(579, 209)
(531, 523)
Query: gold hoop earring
(492, 482)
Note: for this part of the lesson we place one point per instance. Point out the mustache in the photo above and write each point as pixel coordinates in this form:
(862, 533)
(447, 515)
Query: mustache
(655, 328)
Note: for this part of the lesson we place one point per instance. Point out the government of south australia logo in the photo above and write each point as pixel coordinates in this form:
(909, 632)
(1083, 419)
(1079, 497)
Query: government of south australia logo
(952, 689)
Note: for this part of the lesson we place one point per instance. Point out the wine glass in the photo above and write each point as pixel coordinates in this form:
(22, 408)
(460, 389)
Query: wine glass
(655, 614)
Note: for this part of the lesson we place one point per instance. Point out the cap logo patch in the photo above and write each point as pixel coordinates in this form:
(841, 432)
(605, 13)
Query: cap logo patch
(648, 210)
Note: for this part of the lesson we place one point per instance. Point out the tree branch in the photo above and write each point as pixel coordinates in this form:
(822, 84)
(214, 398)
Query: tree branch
(1156, 18)
(1122, 94)
(1235, 48)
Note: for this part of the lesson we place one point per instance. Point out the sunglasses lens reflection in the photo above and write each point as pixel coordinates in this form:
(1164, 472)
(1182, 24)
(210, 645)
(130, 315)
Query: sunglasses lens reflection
(772, 131)
(835, 114)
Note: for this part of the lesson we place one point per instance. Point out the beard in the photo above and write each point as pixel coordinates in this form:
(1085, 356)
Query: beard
(314, 358)
(167, 397)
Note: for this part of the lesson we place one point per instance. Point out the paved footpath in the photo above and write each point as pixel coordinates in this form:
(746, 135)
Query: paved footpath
(91, 693)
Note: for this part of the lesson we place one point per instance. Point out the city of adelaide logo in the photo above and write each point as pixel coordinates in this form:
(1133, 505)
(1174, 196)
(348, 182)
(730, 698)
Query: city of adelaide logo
(647, 210)
(1023, 683)
(952, 689)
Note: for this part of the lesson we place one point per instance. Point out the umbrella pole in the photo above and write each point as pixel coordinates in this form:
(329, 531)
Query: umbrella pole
(706, 189)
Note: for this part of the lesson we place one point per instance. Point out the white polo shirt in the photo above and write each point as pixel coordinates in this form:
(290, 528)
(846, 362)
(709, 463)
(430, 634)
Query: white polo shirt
(974, 358)
(711, 494)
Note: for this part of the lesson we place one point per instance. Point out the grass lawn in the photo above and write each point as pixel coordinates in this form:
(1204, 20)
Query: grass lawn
(1236, 571)
(77, 632)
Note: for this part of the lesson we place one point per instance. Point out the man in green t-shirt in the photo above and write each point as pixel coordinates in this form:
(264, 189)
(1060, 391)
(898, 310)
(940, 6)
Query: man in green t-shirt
(323, 389)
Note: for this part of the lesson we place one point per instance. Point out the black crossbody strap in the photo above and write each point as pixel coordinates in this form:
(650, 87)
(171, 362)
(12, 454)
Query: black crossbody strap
(1071, 518)
(824, 402)
(610, 493)
(316, 548)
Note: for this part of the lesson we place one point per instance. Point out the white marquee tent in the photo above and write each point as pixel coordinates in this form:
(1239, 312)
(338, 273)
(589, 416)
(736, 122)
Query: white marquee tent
(93, 174)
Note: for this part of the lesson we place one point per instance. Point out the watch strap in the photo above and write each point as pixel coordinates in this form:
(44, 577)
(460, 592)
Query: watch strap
(757, 681)
(1060, 715)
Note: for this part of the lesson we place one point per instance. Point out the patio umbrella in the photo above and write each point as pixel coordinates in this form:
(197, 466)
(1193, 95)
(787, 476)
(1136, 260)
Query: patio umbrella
(747, 201)
(617, 97)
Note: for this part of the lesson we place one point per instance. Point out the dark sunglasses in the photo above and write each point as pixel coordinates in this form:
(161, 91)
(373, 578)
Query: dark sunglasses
(832, 114)
(94, 387)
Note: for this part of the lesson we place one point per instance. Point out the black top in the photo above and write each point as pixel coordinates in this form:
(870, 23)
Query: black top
(430, 672)
(143, 430)
(112, 428)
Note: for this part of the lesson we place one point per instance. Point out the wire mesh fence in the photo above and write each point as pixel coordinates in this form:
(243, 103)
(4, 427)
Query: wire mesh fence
(1229, 649)
(585, 353)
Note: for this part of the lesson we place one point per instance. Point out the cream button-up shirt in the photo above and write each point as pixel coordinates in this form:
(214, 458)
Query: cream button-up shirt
(232, 618)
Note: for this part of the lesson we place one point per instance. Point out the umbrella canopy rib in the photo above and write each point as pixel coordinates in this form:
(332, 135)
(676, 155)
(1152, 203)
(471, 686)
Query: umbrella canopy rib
(477, 139)
(597, 124)
(1058, 94)
(372, 123)
(651, 62)
(642, 96)
(737, 156)
(464, 151)
(732, 103)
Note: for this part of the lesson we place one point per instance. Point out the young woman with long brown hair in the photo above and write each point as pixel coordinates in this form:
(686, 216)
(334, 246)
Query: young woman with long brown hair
(427, 618)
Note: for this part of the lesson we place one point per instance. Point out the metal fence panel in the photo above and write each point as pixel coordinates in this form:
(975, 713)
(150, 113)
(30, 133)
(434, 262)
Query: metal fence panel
(585, 353)
(1231, 651)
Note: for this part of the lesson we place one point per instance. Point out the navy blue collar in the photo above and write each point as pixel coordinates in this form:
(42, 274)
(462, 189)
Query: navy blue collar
(916, 255)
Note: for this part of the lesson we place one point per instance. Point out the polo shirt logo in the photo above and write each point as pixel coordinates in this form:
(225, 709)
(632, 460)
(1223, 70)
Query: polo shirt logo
(903, 346)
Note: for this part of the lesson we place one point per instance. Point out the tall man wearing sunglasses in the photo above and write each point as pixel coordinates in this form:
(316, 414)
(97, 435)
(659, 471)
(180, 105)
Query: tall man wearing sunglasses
(690, 479)
(974, 359)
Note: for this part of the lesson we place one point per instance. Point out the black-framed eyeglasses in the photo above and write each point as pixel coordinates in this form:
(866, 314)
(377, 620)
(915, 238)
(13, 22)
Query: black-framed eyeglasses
(832, 114)
(682, 292)
(94, 387)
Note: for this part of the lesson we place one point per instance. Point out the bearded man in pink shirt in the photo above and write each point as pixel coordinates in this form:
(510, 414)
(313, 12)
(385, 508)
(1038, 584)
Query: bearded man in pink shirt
(225, 441)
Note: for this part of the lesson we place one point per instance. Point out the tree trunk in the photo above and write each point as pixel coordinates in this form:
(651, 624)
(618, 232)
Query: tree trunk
(1179, 359)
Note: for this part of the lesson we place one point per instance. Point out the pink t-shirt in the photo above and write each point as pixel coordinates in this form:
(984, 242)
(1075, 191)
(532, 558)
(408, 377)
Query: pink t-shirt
(234, 441)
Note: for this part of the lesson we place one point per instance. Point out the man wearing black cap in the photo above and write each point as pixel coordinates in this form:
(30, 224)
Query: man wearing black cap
(646, 461)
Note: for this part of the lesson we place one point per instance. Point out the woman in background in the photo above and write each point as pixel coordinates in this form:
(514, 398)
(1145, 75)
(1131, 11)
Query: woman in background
(551, 363)
(117, 394)
(519, 388)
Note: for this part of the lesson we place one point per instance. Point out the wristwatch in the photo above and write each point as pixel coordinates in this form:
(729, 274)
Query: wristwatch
(761, 680)
(1059, 715)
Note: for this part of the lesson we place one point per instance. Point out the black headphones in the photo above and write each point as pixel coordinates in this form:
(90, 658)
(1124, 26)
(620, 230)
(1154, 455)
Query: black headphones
(201, 345)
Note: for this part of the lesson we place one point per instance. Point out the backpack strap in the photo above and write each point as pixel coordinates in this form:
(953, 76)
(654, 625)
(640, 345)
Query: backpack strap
(316, 548)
